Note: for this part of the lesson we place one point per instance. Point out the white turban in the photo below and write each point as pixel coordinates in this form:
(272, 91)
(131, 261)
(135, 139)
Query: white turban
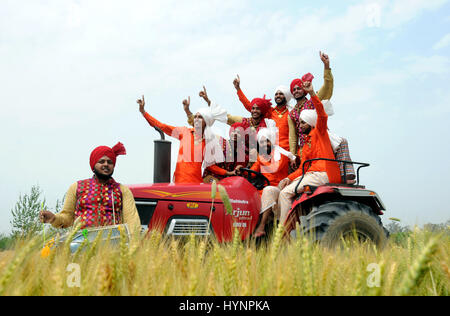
(213, 113)
(213, 150)
(310, 117)
(271, 132)
(286, 91)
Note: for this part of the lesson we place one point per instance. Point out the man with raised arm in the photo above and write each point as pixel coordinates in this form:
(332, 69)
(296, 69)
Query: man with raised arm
(279, 114)
(317, 145)
(100, 200)
(259, 109)
(198, 147)
(297, 138)
(247, 130)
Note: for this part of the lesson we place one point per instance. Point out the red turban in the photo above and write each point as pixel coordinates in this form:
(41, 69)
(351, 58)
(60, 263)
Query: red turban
(111, 153)
(263, 104)
(299, 82)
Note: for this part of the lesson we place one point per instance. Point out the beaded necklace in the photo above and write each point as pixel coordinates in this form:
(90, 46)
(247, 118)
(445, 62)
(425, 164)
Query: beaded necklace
(280, 115)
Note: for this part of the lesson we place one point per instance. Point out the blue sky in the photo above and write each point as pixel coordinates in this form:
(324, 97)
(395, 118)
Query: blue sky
(71, 72)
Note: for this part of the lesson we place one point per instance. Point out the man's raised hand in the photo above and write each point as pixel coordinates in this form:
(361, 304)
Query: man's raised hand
(308, 87)
(325, 59)
(141, 103)
(237, 83)
(186, 103)
(204, 95)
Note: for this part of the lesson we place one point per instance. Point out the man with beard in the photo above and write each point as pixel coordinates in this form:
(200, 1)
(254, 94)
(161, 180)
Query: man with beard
(279, 114)
(199, 148)
(273, 163)
(100, 200)
(297, 138)
(236, 152)
(317, 145)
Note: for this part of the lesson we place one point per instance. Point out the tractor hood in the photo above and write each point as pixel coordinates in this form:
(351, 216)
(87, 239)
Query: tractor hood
(239, 190)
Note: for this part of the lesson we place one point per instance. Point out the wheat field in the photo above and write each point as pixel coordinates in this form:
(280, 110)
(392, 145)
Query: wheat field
(160, 266)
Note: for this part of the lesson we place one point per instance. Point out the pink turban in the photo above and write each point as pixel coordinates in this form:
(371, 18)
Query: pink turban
(299, 82)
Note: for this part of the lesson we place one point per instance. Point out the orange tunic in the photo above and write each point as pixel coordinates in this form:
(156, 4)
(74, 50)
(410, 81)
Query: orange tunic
(274, 114)
(318, 145)
(190, 155)
(273, 171)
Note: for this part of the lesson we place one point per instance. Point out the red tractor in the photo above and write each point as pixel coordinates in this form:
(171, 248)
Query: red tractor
(327, 213)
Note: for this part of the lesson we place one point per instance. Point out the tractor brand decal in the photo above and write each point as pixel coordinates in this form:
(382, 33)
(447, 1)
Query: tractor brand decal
(239, 201)
(240, 225)
(192, 205)
(242, 215)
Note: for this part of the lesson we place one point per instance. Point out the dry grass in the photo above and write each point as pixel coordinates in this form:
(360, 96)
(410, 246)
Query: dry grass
(161, 266)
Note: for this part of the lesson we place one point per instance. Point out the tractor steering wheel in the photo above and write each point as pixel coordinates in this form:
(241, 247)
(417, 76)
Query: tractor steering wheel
(259, 181)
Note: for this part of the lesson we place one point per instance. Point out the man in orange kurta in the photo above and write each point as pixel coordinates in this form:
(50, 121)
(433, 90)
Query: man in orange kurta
(192, 145)
(317, 145)
(279, 114)
(273, 163)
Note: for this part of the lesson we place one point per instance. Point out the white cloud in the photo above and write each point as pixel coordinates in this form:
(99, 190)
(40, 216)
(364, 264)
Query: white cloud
(399, 12)
(428, 65)
(443, 42)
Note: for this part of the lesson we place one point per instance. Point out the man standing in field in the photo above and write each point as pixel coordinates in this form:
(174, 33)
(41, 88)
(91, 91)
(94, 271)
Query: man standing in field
(100, 200)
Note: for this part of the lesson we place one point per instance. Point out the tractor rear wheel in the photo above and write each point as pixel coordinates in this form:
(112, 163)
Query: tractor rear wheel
(334, 222)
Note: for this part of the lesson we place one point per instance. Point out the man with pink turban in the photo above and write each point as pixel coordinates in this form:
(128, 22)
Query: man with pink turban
(314, 124)
(100, 200)
(296, 138)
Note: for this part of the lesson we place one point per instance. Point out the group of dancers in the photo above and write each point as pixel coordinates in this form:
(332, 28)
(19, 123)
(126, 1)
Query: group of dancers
(274, 141)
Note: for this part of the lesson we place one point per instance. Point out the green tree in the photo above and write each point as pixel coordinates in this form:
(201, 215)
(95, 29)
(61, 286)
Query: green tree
(26, 214)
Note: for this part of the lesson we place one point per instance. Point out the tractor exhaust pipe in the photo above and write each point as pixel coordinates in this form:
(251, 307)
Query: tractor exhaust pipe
(161, 167)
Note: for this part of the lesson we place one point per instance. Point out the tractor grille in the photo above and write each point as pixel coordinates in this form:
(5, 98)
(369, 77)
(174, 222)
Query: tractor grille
(186, 227)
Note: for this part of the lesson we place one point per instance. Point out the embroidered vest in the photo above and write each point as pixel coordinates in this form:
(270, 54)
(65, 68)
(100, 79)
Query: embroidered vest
(295, 116)
(94, 203)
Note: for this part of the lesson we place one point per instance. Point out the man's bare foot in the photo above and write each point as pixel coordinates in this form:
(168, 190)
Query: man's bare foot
(259, 233)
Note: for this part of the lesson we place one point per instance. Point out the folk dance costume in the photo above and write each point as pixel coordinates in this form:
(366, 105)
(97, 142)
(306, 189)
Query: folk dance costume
(249, 129)
(275, 167)
(279, 114)
(317, 145)
(98, 204)
(195, 155)
(340, 144)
